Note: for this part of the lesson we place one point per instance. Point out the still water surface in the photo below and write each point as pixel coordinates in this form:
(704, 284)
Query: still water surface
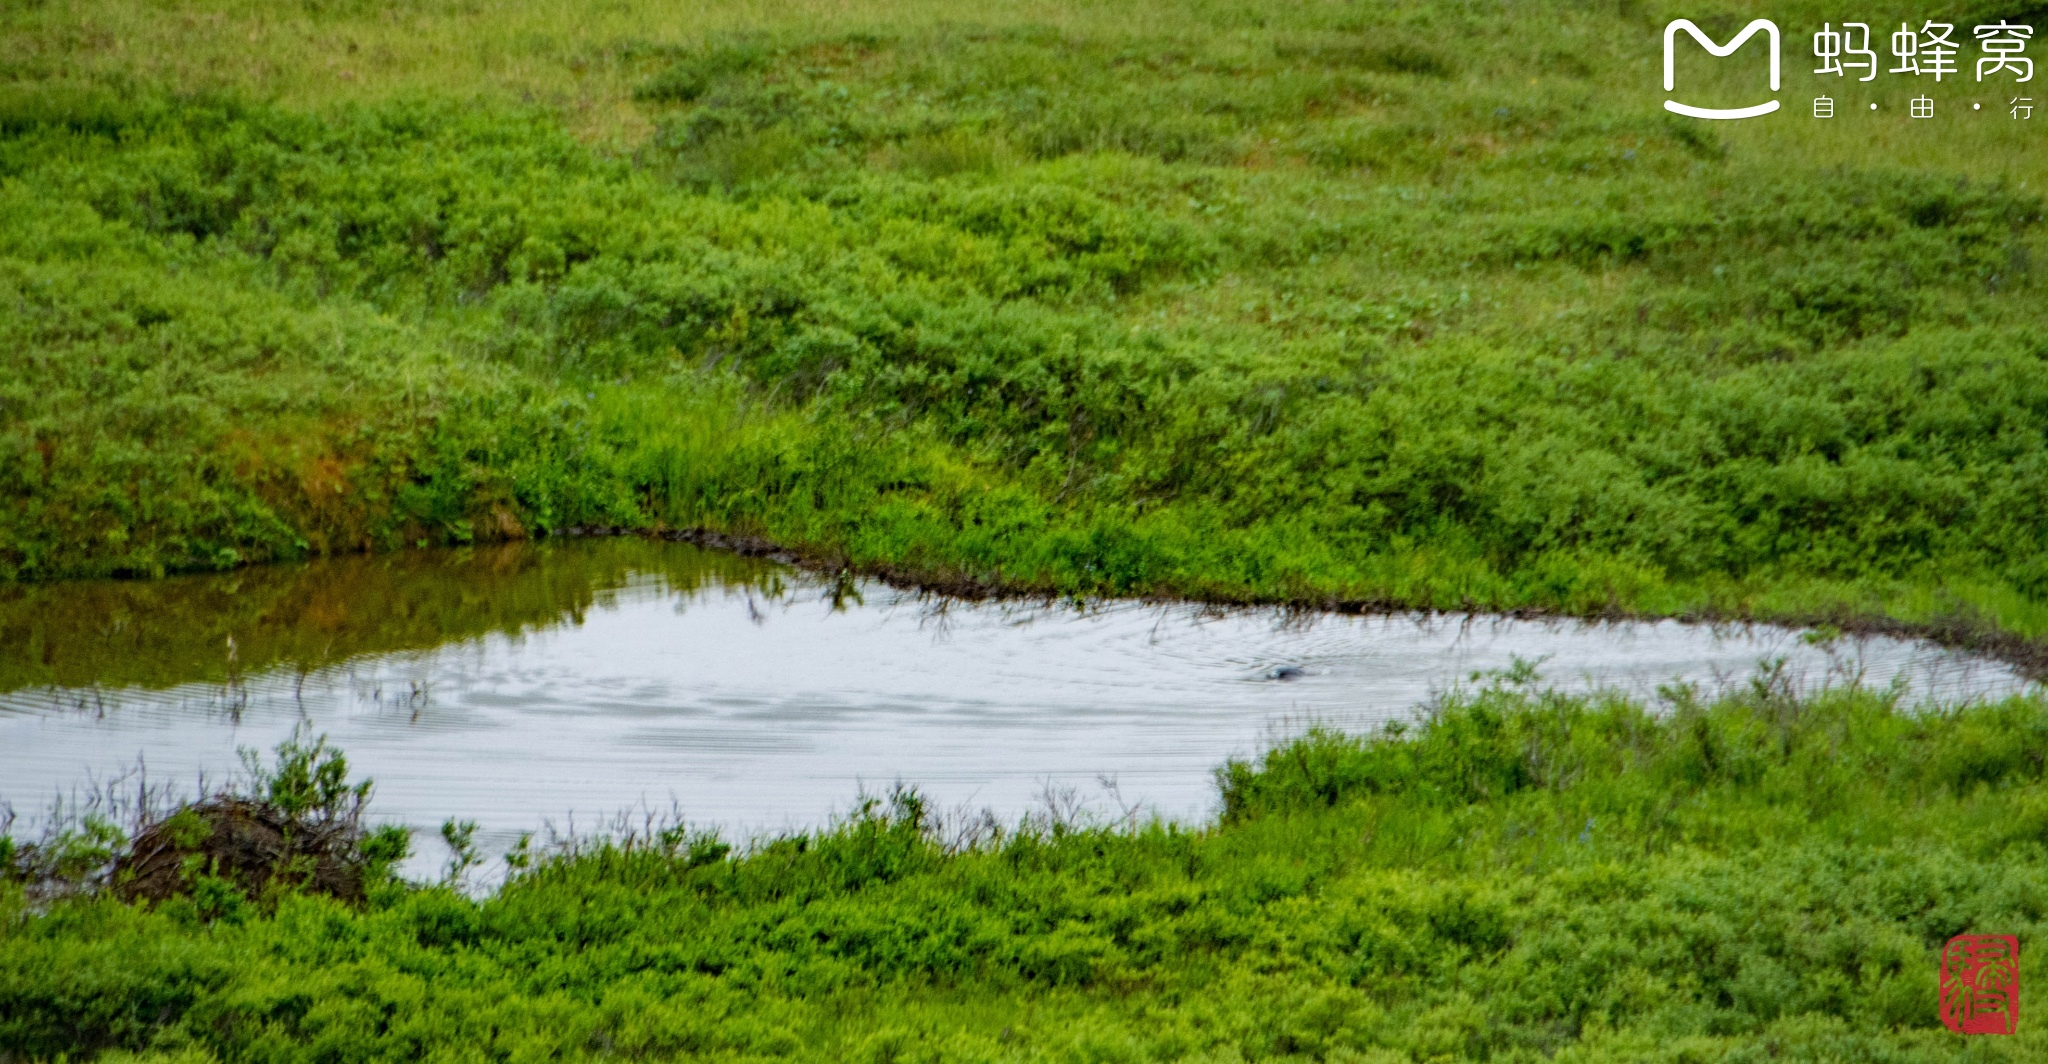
(535, 683)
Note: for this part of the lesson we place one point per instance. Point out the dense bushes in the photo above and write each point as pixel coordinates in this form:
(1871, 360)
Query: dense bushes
(1519, 875)
(1302, 310)
(1766, 744)
(1382, 304)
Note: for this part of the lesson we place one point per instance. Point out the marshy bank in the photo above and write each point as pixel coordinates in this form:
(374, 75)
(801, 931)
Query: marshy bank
(1411, 304)
(1524, 875)
(563, 681)
(995, 306)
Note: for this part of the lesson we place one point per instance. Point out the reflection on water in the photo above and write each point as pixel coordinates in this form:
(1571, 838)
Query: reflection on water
(217, 629)
(526, 683)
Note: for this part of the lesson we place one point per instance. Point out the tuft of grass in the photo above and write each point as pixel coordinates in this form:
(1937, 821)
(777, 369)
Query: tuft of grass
(294, 826)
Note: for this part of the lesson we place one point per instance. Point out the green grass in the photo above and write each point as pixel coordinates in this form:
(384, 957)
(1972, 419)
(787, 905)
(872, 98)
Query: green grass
(1520, 876)
(1385, 305)
(1364, 304)
(1319, 303)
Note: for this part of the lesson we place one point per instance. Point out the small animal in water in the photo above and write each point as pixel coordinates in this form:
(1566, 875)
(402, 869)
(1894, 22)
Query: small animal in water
(1286, 672)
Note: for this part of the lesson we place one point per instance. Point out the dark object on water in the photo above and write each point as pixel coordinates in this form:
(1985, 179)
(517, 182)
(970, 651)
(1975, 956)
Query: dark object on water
(1285, 673)
(253, 844)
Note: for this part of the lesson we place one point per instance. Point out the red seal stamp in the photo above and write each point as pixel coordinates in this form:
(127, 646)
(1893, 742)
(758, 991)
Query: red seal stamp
(1980, 984)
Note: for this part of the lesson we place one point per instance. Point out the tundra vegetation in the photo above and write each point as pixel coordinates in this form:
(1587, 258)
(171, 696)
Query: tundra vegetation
(1385, 304)
(1520, 875)
(1382, 304)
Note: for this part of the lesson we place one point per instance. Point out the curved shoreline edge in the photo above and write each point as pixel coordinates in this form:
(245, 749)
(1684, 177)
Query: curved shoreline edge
(1962, 630)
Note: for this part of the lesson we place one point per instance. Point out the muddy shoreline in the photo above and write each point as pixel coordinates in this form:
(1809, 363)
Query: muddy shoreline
(1961, 630)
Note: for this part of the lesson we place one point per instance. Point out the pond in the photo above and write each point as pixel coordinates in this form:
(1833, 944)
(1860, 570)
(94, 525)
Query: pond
(562, 683)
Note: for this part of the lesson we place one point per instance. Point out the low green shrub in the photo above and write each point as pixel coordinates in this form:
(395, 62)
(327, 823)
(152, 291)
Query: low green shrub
(242, 334)
(1519, 875)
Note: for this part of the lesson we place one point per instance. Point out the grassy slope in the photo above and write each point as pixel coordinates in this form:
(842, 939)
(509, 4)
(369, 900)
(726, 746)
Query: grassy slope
(1418, 305)
(1524, 877)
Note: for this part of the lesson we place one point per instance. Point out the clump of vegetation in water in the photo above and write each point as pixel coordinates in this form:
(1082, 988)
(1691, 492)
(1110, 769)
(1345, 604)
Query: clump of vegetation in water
(292, 827)
(1516, 875)
(298, 827)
